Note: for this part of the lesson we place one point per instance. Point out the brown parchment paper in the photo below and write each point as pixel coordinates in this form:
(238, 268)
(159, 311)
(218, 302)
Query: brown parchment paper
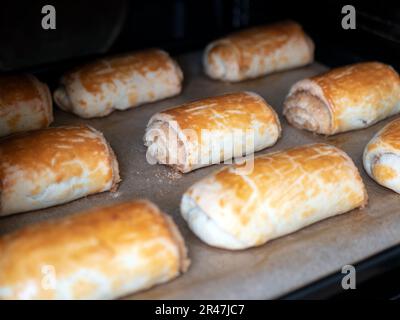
(268, 271)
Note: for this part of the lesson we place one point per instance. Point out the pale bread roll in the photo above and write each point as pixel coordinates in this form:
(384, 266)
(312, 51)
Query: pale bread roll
(346, 98)
(25, 104)
(285, 192)
(382, 156)
(119, 83)
(211, 130)
(102, 253)
(258, 51)
(46, 167)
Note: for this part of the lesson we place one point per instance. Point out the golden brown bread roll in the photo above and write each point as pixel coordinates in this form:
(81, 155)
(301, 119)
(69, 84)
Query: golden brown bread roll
(343, 99)
(258, 51)
(25, 104)
(212, 130)
(382, 156)
(46, 167)
(286, 191)
(119, 83)
(102, 253)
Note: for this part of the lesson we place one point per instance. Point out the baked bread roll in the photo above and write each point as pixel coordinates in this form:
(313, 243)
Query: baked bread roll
(25, 104)
(51, 166)
(210, 131)
(119, 83)
(382, 156)
(343, 99)
(102, 253)
(258, 51)
(285, 192)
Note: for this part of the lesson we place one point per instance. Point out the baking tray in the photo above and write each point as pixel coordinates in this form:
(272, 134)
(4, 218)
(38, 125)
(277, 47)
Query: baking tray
(268, 271)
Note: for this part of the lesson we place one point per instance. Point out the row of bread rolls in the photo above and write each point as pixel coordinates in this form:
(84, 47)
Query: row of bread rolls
(199, 133)
(128, 80)
(343, 99)
(111, 251)
(92, 90)
(229, 209)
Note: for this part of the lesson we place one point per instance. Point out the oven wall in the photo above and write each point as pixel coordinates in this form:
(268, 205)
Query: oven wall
(88, 28)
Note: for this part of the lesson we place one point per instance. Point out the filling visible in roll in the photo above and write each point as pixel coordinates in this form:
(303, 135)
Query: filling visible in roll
(306, 111)
(164, 145)
(211, 131)
(343, 99)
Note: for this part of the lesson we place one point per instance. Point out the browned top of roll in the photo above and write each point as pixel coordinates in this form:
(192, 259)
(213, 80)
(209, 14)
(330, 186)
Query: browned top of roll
(63, 149)
(355, 83)
(313, 162)
(237, 109)
(15, 88)
(88, 240)
(261, 40)
(105, 71)
(354, 77)
(389, 135)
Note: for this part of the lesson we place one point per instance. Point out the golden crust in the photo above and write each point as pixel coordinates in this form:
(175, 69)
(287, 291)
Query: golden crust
(237, 109)
(354, 96)
(92, 240)
(264, 39)
(15, 88)
(332, 166)
(26, 90)
(112, 161)
(94, 75)
(211, 130)
(358, 84)
(67, 152)
(240, 206)
(180, 242)
(281, 193)
(118, 83)
(43, 149)
(390, 135)
(241, 47)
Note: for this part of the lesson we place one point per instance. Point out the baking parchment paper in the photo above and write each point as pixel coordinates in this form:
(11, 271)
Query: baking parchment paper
(268, 271)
